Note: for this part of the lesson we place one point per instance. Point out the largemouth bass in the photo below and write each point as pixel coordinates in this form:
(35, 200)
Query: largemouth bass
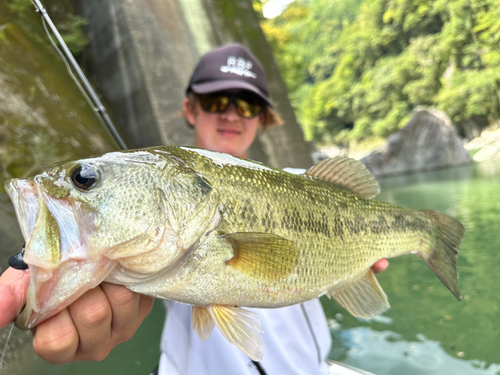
(218, 233)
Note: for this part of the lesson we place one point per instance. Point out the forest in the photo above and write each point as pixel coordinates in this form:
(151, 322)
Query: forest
(356, 69)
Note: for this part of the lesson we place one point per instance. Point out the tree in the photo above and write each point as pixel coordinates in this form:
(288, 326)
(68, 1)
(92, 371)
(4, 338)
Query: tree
(356, 69)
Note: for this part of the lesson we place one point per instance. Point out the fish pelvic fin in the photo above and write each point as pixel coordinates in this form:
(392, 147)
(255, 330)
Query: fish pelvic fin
(364, 298)
(203, 323)
(346, 173)
(442, 260)
(240, 327)
(262, 255)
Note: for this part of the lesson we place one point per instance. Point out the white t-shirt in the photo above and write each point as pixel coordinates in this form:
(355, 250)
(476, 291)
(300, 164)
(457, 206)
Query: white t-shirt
(296, 341)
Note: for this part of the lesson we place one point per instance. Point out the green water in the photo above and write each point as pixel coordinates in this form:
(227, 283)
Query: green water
(427, 331)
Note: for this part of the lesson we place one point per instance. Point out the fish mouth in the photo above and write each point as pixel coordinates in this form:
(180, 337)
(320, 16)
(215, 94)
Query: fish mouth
(60, 268)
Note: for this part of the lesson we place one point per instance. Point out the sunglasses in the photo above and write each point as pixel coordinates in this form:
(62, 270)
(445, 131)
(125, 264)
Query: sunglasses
(247, 105)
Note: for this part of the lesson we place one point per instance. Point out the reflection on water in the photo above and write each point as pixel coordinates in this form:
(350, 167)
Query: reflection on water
(427, 331)
(388, 353)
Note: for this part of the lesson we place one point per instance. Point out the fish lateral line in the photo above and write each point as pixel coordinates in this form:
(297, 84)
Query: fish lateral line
(239, 236)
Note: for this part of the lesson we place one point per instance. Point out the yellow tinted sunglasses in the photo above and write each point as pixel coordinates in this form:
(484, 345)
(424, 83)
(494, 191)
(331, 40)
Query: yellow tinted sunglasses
(247, 105)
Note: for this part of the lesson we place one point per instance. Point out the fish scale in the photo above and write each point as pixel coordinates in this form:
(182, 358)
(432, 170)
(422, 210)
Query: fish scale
(336, 250)
(219, 233)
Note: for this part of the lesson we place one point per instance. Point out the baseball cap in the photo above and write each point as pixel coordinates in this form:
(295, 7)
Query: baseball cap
(229, 67)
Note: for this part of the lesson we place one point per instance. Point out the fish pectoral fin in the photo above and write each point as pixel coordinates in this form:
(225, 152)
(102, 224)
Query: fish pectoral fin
(262, 255)
(364, 299)
(241, 328)
(347, 173)
(203, 323)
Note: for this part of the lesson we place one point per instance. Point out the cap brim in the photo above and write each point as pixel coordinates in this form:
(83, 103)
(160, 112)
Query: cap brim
(208, 87)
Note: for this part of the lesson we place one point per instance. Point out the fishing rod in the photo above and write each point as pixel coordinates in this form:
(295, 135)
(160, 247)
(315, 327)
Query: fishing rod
(95, 103)
(16, 261)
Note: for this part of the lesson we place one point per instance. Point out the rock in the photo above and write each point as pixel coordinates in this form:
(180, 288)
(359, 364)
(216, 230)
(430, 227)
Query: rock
(488, 146)
(428, 141)
(472, 127)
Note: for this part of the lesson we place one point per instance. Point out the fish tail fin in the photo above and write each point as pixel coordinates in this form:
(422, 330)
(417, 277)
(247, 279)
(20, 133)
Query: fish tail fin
(442, 260)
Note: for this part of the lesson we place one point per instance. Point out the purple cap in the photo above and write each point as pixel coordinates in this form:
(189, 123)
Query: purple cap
(230, 67)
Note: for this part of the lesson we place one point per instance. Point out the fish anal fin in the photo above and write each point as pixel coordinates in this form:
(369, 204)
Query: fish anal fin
(241, 328)
(203, 323)
(364, 299)
(262, 255)
(347, 173)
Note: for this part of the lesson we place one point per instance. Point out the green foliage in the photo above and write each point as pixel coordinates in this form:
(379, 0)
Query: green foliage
(61, 13)
(356, 69)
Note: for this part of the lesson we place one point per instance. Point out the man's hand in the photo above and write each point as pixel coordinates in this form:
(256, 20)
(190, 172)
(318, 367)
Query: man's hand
(380, 266)
(13, 286)
(87, 329)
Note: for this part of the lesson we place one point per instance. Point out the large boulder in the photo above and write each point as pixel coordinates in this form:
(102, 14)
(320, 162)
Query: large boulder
(428, 141)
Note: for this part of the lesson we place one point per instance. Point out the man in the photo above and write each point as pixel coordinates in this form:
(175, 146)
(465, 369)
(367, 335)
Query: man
(227, 103)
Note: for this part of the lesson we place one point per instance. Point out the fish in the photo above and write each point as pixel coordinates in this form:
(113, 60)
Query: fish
(218, 233)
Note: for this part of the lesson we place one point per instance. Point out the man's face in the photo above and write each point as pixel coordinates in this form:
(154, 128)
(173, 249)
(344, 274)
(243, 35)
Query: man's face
(222, 132)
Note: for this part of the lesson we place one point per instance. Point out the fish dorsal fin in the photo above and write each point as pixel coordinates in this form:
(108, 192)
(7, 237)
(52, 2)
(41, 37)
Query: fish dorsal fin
(240, 327)
(364, 299)
(262, 255)
(347, 173)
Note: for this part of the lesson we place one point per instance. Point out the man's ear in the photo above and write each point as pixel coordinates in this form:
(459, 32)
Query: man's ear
(262, 117)
(190, 116)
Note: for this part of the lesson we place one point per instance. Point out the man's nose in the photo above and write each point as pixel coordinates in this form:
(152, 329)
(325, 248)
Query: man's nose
(230, 114)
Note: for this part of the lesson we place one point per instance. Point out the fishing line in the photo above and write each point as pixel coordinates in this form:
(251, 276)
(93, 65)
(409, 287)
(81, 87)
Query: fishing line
(6, 345)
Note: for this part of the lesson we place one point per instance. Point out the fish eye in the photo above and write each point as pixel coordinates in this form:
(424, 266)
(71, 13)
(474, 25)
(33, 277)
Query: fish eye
(84, 177)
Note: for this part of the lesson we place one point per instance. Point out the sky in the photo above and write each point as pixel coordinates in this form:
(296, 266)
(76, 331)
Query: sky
(274, 8)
